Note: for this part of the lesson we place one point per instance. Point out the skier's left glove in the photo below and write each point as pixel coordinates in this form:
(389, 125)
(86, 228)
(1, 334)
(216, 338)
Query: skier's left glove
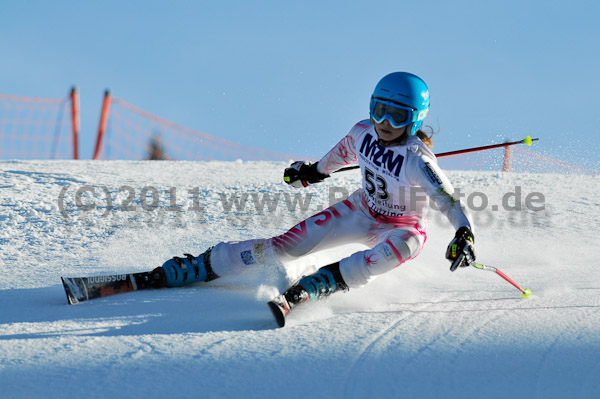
(303, 174)
(461, 251)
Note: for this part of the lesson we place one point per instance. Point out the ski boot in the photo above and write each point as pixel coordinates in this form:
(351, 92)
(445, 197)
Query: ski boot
(324, 282)
(183, 271)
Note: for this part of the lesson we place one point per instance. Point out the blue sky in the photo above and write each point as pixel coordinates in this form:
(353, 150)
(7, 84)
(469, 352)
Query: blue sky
(295, 76)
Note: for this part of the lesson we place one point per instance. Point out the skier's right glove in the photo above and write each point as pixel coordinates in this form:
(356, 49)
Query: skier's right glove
(303, 174)
(461, 251)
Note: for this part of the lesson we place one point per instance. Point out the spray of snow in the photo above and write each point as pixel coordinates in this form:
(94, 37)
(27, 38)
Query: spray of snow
(418, 331)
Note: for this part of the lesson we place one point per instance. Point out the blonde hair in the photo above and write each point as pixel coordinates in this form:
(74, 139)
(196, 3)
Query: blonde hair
(426, 135)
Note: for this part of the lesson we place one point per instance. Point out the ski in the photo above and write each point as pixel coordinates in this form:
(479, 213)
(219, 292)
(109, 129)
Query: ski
(79, 289)
(280, 308)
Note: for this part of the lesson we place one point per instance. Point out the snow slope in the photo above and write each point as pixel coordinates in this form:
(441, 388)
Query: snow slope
(417, 332)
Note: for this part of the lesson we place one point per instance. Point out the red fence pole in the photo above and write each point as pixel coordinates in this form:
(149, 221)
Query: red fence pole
(506, 164)
(103, 121)
(75, 121)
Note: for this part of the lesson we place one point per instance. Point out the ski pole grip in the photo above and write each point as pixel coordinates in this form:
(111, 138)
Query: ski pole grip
(457, 262)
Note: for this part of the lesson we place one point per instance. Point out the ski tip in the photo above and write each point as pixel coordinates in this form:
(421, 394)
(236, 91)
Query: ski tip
(71, 298)
(278, 313)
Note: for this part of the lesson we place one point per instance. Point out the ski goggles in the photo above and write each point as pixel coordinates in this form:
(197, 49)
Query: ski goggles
(398, 115)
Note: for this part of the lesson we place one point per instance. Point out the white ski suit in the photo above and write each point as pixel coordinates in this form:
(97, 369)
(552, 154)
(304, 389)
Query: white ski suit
(388, 214)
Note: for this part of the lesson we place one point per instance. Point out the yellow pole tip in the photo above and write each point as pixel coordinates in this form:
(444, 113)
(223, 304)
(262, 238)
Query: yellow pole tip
(527, 140)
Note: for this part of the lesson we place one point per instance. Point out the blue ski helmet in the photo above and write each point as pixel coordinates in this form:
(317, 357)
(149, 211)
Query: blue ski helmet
(404, 89)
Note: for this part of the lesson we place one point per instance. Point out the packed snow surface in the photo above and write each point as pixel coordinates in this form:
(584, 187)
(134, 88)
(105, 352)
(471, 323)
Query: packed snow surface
(419, 331)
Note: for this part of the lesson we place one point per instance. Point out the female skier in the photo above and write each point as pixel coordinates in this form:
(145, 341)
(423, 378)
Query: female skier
(388, 214)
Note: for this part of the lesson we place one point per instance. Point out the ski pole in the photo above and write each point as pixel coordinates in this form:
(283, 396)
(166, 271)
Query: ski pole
(527, 140)
(525, 292)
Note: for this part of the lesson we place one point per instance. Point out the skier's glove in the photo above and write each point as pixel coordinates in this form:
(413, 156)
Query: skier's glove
(461, 251)
(302, 174)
